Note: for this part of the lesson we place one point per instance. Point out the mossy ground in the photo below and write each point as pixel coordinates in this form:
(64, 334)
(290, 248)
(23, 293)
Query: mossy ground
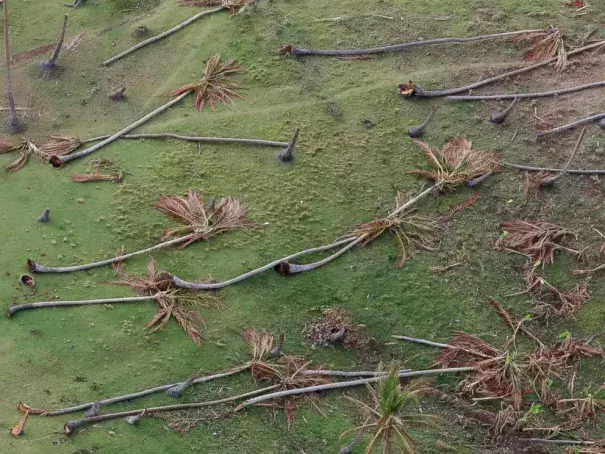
(343, 174)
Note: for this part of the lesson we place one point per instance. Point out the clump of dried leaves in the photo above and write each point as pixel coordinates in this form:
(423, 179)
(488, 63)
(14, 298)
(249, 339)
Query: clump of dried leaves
(100, 170)
(336, 327)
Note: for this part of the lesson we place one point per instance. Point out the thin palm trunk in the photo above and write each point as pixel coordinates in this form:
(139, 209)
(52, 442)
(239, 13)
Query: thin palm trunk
(421, 93)
(551, 180)
(421, 341)
(43, 304)
(299, 52)
(560, 442)
(582, 121)
(178, 282)
(37, 268)
(166, 135)
(50, 64)
(348, 384)
(345, 373)
(14, 124)
(548, 169)
(73, 425)
(125, 397)
(543, 94)
(162, 35)
(58, 161)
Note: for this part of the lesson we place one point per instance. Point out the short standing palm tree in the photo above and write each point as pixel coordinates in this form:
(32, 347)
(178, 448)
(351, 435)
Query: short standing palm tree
(14, 124)
(385, 422)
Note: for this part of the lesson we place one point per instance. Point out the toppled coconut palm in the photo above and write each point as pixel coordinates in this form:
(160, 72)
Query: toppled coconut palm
(214, 88)
(456, 163)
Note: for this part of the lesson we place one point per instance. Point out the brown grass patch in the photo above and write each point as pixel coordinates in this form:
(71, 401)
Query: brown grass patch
(214, 88)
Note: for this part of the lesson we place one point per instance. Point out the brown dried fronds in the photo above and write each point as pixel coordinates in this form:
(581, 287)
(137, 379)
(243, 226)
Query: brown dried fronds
(214, 88)
(560, 358)
(6, 146)
(580, 410)
(60, 145)
(95, 172)
(456, 163)
(556, 303)
(505, 420)
(156, 280)
(514, 322)
(466, 350)
(411, 230)
(336, 327)
(26, 148)
(534, 181)
(544, 45)
(260, 344)
(203, 220)
(118, 267)
(232, 5)
(536, 239)
(474, 197)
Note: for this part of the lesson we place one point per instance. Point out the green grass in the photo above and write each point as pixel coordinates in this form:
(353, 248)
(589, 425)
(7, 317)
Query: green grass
(343, 174)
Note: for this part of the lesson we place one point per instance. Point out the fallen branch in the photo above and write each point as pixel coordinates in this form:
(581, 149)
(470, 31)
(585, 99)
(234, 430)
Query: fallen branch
(37, 268)
(58, 161)
(125, 397)
(548, 169)
(543, 94)
(162, 35)
(413, 89)
(572, 125)
(69, 428)
(296, 51)
(129, 299)
(178, 282)
(347, 384)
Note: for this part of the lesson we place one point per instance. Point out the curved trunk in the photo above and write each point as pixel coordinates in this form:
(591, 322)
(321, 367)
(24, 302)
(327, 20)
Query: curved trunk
(14, 125)
(162, 35)
(178, 282)
(551, 180)
(37, 268)
(50, 64)
(401, 47)
(286, 155)
(421, 93)
(416, 132)
(58, 161)
(543, 94)
(572, 125)
(72, 425)
(500, 117)
(130, 299)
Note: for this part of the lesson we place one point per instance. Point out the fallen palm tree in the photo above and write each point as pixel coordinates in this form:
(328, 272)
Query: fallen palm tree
(582, 121)
(412, 89)
(300, 52)
(201, 221)
(213, 89)
(528, 168)
(51, 304)
(543, 94)
(538, 240)
(229, 5)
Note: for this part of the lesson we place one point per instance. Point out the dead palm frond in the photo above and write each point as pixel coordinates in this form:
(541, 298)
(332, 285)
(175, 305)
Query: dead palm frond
(172, 303)
(214, 88)
(536, 239)
(544, 46)
(386, 423)
(260, 344)
(410, 230)
(555, 361)
(203, 220)
(457, 163)
(534, 182)
(505, 420)
(5, 146)
(581, 410)
(100, 170)
(556, 303)
(232, 5)
(26, 148)
(60, 145)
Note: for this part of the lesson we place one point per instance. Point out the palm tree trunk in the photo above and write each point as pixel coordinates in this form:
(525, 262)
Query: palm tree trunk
(178, 282)
(401, 47)
(167, 135)
(37, 268)
(58, 161)
(14, 124)
(50, 64)
(548, 169)
(69, 428)
(162, 35)
(544, 94)
(572, 125)
(129, 299)
(348, 384)
(125, 397)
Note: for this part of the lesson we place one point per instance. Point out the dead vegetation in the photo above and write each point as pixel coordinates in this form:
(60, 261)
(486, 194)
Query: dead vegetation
(232, 5)
(336, 327)
(102, 169)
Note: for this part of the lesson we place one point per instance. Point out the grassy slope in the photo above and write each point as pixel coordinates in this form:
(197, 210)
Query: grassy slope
(343, 175)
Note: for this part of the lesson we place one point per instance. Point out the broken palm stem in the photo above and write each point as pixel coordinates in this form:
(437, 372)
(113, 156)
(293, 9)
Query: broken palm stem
(178, 282)
(299, 52)
(500, 117)
(164, 34)
(58, 161)
(69, 428)
(548, 169)
(112, 400)
(549, 181)
(416, 132)
(129, 299)
(560, 442)
(348, 384)
(582, 121)
(38, 268)
(50, 64)
(544, 94)
(415, 90)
